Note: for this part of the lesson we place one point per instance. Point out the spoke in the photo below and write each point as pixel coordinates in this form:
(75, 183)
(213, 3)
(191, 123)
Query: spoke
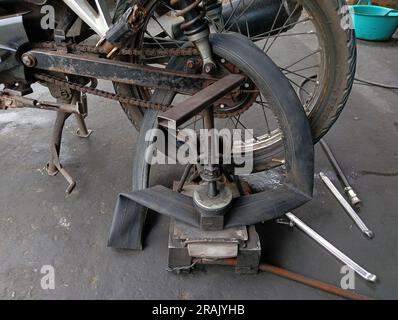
(286, 35)
(242, 13)
(283, 27)
(247, 30)
(226, 124)
(274, 22)
(149, 34)
(243, 126)
(164, 30)
(263, 104)
(232, 14)
(300, 87)
(235, 124)
(299, 75)
(265, 115)
(302, 59)
(307, 68)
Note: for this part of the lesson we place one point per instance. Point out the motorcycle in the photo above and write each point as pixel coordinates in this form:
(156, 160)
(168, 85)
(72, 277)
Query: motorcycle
(198, 64)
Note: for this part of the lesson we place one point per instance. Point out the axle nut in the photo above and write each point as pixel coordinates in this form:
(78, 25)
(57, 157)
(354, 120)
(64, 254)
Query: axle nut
(28, 60)
(209, 68)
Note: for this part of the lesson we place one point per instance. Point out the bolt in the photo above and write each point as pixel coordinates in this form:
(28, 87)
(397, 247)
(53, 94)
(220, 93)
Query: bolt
(222, 106)
(28, 60)
(223, 61)
(190, 64)
(209, 67)
(247, 85)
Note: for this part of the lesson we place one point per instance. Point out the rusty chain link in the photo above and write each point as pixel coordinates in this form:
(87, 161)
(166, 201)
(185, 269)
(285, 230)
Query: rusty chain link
(143, 52)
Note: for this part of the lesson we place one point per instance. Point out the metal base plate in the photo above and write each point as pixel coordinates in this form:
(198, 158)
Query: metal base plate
(240, 243)
(187, 243)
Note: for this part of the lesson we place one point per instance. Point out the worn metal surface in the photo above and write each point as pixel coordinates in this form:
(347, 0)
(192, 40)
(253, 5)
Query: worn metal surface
(188, 234)
(211, 249)
(166, 49)
(12, 101)
(119, 71)
(182, 112)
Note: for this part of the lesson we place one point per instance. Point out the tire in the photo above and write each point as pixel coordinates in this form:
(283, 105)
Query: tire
(339, 46)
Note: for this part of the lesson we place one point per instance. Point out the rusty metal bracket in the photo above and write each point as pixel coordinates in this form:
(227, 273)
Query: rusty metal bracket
(192, 106)
(8, 100)
(117, 71)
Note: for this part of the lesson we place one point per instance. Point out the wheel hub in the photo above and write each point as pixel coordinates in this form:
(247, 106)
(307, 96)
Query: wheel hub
(239, 100)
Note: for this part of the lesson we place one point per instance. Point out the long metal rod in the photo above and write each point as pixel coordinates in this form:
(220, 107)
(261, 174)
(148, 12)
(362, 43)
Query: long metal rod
(12, 101)
(313, 283)
(331, 248)
(351, 194)
(347, 207)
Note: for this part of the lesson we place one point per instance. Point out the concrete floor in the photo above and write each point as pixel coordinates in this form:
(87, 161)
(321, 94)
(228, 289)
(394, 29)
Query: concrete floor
(39, 226)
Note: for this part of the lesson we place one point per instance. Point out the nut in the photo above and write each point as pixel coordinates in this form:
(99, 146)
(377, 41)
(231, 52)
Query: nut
(28, 60)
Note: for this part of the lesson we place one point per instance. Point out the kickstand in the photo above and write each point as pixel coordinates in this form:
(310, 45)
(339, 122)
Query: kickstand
(54, 166)
(82, 130)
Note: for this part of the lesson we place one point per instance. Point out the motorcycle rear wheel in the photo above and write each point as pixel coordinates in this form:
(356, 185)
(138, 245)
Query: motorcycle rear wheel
(338, 50)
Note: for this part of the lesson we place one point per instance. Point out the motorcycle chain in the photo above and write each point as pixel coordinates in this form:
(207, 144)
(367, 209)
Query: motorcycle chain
(129, 101)
(143, 52)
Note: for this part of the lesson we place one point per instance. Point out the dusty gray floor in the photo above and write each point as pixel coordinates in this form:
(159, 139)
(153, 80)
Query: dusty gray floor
(38, 226)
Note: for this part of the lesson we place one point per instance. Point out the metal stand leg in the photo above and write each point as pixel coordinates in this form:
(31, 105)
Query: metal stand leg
(54, 166)
(82, 130)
